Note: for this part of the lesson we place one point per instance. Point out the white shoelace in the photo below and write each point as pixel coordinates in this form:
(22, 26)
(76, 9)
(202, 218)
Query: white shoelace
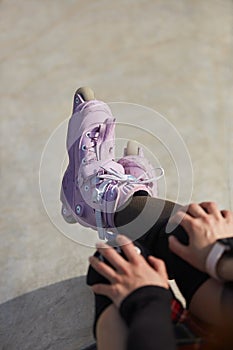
(114, 175)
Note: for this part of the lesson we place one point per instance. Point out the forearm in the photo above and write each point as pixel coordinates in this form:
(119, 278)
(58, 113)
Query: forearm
(225, 268)
(148, 315)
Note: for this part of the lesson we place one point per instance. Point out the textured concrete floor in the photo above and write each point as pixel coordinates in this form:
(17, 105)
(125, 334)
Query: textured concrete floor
(173, 56)
(54, 317)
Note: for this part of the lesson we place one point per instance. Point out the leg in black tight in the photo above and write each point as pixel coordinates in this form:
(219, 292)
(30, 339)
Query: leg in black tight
(149, 216)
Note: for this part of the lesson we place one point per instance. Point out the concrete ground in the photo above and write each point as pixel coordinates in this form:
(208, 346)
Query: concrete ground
(172, 56)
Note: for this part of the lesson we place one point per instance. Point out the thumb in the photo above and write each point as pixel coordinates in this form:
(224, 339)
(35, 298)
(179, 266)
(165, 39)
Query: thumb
(103, 289)
(177, 247)
(158, 265)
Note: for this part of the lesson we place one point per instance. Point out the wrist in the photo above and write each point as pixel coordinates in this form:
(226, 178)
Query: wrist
(217, 252)
(224, 268)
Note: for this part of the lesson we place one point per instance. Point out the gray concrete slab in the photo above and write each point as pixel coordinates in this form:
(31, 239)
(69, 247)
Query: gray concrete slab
(54, 317)
(172, 56)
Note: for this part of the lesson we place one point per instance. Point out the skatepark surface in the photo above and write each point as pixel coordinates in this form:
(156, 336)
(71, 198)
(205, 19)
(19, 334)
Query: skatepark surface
(172, 56)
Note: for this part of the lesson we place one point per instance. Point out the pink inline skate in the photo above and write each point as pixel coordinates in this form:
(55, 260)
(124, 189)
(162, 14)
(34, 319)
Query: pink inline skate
(95, 185)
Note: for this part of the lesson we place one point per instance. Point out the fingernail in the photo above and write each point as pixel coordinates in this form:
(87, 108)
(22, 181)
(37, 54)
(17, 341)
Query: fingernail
(100, 245)
(122, 239)
(171, 239)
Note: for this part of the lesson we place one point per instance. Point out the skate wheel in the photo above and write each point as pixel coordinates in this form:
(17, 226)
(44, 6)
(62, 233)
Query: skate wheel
(86, 93)
(132, 148)
(70, 219)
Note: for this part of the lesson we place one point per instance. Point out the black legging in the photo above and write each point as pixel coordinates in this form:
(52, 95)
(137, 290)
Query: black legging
(155, 239)
(149, 216)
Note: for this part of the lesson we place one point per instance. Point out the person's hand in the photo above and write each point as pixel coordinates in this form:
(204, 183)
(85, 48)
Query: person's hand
(204, 224)
(126, 276)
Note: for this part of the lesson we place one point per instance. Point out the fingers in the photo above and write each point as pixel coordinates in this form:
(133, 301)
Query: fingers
(114, 258)
(199, 210)
(185, 220)
(196, 210)
(128, 248)
(113, 292)
(158, 265)
(103, 269)
(227, 214)
(103, 289)
(177, 248)
(211, 208)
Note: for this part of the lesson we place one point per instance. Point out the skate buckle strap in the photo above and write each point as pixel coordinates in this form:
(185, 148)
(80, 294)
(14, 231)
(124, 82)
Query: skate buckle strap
(99, 224)
(103, 233)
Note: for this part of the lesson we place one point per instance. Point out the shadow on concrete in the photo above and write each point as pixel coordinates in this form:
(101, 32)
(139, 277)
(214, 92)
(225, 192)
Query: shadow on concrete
(55, 317)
